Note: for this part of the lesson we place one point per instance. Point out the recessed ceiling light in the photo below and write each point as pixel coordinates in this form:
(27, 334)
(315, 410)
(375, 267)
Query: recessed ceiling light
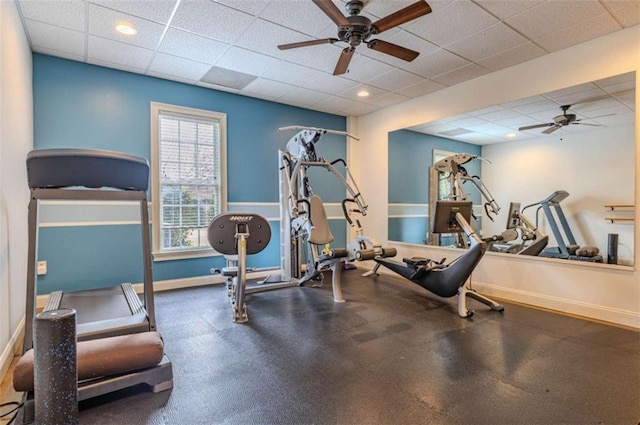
(126, 29)
(511, 135)
(363, 93)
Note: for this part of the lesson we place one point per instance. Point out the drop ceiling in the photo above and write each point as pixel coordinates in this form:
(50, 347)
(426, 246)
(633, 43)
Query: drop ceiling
(234, 42)
(609, 102)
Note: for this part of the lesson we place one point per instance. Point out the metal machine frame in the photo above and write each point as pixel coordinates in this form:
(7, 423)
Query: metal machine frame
(452, 169)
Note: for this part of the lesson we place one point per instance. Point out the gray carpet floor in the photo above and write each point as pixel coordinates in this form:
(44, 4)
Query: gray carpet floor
(392, 354)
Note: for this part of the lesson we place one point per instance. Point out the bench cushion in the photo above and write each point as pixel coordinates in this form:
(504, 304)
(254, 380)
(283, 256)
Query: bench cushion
(101, 357)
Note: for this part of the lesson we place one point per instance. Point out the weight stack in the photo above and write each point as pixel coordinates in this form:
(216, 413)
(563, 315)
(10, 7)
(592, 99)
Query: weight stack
(612, 249)
(55, 368)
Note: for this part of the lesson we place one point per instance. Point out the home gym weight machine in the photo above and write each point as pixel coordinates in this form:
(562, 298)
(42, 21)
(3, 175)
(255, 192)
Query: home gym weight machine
(451, 169)
(518, 226)
(303, 221)
(446, 280)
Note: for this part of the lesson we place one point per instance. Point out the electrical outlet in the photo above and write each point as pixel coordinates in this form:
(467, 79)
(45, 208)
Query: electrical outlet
(42, 268)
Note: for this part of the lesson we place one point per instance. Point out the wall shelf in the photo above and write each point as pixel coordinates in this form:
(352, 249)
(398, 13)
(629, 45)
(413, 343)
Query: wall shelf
(622, 208)
(620, 219)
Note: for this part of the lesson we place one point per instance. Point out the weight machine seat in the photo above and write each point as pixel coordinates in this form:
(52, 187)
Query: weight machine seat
(101, 357)
(443, 281)
(91, 168)
(320, 232)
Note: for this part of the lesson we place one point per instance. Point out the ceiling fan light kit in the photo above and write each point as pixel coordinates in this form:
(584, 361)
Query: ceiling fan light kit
(356, 29)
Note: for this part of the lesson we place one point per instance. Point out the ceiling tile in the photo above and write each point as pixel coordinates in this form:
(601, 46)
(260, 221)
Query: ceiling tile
(322, 57)
(152, 10)
(487, 42)
(434, 64)
(570, 90)
(330, 84)
(466, 121)
(102, 23)
(267, 89)
(553, 15)
(45, 36)
(627, 12)
(628, 98)
(58, 53)
(524, 101)
(352, 93)
(505, 8)
(264, 37)
(303, 97)
(180, 67)
(291, 73)
(363, 68)
(64, 13)
(629, 77)
(424, 87)
(484, 111)
(251, 7)
(531, 108)
(467, 72)
(388, 100)
(382, 8)
(114, 52)
(211, 20)
(217, 87)
(336, 103)
(514, 56)
(451, 23)
(584, 96)
(362, 109)
(578, 33)
(191, 46)
(171, 77)
(118, 66)
(502, 114)
(246, 61)
(301, 16)
(395, 80)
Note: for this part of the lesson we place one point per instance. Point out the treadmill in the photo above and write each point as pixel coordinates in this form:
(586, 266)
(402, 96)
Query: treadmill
(77, 174)
(90, 174)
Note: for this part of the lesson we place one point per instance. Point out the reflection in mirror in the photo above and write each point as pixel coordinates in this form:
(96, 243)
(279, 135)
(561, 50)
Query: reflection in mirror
(560, 166)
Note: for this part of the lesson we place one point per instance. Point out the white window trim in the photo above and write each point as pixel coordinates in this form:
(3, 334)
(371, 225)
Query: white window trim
(156, 109)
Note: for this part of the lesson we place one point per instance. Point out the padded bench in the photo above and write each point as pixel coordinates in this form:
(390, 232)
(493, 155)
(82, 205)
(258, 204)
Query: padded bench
(101, 358)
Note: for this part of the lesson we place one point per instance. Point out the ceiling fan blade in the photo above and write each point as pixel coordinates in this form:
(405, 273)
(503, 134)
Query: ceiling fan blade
(343, 62)
(393, 50)
(531, 127)
(584, 123)
(551, 129)
(332, 11)
(307, 43)
(592, 118)
(402, 16)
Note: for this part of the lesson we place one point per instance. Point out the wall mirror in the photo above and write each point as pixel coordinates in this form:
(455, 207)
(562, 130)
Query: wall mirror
(571, 150)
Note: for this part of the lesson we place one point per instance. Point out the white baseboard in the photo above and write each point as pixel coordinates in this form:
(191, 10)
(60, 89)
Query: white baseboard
(562, 305)
(12, 349)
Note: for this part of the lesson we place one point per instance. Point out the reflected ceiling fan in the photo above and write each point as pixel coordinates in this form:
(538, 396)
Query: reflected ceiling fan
(563, 120)
(356, 29)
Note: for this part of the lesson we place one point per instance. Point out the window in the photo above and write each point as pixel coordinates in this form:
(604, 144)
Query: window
(444, 183)
(188, 172)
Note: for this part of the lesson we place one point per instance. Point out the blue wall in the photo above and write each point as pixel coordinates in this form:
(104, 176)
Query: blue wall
(86, 106)
(410, 156)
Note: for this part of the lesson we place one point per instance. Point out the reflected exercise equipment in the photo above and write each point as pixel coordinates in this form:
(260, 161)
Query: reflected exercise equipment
(567, 248)
(446, 280)
(532, 242)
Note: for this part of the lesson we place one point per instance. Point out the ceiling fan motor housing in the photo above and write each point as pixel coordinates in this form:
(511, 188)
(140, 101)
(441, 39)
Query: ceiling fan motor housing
(359, 30)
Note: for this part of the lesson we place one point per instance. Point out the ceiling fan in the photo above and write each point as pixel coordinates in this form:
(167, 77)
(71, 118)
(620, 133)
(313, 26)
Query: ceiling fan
(356, 29)
(562, 120)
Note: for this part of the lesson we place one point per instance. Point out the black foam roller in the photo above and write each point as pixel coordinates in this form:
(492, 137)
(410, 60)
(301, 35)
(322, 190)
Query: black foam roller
(55, 367)
(612, 249)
